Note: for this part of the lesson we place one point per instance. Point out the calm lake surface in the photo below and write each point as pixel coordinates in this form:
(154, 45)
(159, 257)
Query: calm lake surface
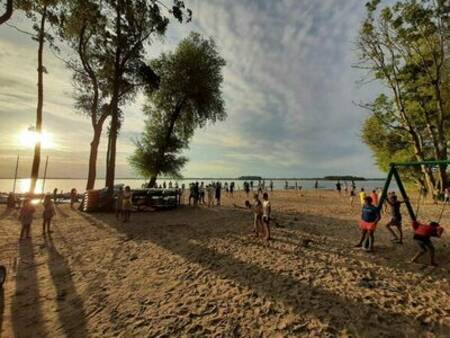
(65, 185)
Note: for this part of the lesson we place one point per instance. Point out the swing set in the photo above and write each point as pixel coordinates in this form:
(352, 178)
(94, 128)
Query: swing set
(393, 173)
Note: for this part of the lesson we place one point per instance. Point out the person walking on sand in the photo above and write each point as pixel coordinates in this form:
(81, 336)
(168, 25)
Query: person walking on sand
(48, 214)
(127, 204)
(266, 216)
(26, 218)
(352, 195)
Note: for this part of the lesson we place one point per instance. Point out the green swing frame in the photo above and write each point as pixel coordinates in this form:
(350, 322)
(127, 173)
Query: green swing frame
(393, 173)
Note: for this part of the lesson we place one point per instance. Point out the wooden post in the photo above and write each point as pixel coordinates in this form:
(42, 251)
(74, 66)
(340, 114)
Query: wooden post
(386, 187)
(15, 174)
(404, 195)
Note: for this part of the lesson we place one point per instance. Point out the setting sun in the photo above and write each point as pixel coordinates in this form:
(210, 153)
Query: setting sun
(28, 138)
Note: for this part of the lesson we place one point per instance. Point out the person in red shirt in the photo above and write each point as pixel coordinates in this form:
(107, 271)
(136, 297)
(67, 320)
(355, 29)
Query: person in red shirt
(422, 235)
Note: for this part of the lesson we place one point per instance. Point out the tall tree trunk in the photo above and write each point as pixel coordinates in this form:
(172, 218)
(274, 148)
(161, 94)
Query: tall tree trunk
(8, 13)
(93, 157)
(40, 104)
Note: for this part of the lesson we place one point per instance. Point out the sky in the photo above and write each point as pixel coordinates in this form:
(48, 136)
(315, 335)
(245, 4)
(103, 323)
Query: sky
(289, 90)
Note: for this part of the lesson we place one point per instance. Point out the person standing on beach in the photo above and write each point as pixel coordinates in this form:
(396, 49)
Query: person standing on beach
(119, 203)
(362, 196)
(316, 185)
(251, 185)
(48, 214)
(352, 195)
(26, 218)
(370, 217)
(55, 195)
(127, 204)
(374, 196)
(246, 188)
(73, 197)
(271, 186)
(218, 193)
(338, 187)
(231, 188)
(266, 216)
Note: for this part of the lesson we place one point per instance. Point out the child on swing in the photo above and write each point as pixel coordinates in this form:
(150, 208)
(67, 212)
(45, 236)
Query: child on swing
(369, 219)
(422, 236)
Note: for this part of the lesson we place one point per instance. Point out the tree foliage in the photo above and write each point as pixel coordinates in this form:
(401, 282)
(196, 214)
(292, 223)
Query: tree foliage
(405, 47)
(189, 96)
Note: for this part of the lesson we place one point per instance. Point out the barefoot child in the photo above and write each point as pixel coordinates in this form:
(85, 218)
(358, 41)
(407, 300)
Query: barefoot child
(422, 235)
(396, 218)
(369, 219)
(48, 214)
(26, 218)
(266, 216)
(257, 209)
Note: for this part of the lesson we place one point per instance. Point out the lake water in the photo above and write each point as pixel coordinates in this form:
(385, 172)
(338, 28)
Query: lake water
(65, 185)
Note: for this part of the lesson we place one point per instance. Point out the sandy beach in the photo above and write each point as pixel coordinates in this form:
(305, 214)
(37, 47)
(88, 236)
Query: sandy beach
(196, 272)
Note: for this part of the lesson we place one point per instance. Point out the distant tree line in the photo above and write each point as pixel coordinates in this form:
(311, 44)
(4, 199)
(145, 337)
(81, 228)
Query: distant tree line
(405, 46)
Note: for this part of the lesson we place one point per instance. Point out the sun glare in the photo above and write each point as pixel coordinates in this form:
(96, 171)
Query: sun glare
(28, 138)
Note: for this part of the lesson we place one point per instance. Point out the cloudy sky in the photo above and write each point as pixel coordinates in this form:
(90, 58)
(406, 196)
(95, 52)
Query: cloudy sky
(289, 90)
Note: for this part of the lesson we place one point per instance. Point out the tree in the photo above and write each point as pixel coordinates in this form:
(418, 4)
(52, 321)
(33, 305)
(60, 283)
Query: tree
(43, 14)
(129, 25)
(146, 161)
(8, 12)
(108, 38)
(404, 47)
(189, 96)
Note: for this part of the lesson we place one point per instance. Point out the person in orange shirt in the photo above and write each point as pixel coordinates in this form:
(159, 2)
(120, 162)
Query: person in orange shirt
(422, 235)
(374, 196)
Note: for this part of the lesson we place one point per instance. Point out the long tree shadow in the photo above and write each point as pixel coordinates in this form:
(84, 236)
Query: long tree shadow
(26, 312)
(303, 297)
(70, 305)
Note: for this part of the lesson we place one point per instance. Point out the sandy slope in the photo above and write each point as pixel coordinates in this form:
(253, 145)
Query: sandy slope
(197, 272)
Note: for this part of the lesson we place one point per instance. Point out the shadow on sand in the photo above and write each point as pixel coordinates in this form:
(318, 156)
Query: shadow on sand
(70, 305)
(26, 311)
(302, 297)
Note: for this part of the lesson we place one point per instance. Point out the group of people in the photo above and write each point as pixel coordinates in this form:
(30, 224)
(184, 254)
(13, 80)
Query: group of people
(209, 194)
(262, 211)
(370, 217)
(27, 212)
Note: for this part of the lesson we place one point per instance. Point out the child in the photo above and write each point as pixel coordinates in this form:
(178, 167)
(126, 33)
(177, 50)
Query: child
(362, 196)
(48, 214)
(396, 218)
(352, 195)
(26, 218)
(266, 216)
(374, 196)
(257, 209)
(73, 197)
(422, 235)
(127, 204)
(369, 219)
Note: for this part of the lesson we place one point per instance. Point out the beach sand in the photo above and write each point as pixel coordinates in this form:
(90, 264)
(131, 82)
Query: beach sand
(196, 272)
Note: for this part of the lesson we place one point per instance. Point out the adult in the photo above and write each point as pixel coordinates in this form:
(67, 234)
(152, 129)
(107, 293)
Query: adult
(218, 193)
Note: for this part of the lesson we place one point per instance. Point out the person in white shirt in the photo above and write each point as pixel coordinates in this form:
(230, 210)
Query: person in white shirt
(266, 216)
